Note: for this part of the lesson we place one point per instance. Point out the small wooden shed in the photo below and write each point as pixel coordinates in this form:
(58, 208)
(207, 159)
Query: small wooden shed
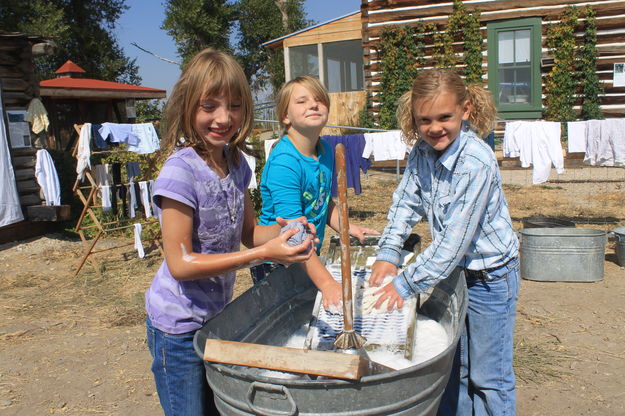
(72, 99)
(331, 51)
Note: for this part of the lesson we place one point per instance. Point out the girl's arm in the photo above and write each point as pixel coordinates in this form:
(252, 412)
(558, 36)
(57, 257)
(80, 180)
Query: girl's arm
(354, 230)
(184, 264)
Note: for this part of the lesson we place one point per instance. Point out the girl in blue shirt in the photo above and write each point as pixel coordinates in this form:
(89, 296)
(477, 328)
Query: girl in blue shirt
(297, 177)
(452, 179)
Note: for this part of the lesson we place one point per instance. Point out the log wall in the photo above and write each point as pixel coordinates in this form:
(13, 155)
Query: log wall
(19, 86)
(379, 14)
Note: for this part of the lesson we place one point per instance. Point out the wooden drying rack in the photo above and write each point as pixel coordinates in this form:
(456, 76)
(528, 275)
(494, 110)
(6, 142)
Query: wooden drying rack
(87, 195)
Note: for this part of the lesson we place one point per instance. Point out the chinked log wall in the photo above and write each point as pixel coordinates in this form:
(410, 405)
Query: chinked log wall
(19, 86)
(380, 14)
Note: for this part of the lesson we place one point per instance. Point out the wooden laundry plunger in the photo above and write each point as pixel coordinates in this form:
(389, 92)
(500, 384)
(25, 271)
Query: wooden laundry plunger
(349, 338)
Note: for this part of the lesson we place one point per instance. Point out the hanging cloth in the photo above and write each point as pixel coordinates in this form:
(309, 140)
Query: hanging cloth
(37, 116)
(47, 178)
(354, 147)
(10, 210)
(83, 151)
(138, 243)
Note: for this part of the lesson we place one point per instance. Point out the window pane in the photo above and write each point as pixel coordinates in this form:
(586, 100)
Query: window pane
(505, 47)
(514, 85)
(522, 46)
(303, 60)
(343, 66)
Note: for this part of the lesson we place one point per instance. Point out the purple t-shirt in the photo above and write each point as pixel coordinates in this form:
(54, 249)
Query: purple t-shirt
(177, 307)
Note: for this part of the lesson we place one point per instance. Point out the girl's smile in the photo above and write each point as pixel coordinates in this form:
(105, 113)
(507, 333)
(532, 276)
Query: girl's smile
(217, 119)
(439, 119)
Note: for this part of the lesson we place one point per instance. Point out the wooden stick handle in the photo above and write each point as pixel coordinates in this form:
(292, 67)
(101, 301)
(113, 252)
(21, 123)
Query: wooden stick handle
(346, 269)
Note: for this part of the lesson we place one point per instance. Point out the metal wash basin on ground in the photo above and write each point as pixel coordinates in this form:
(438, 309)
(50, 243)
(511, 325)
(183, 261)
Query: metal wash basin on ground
(562, 254)
(270, 312)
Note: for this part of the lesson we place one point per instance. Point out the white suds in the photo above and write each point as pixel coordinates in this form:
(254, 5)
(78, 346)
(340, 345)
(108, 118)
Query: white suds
(185, 254)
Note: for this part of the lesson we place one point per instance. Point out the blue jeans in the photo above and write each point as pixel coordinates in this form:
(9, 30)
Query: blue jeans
(482, 379)
(179, 374)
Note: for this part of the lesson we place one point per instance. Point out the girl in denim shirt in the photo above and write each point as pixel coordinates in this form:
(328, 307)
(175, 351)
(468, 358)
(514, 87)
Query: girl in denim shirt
(453, 181)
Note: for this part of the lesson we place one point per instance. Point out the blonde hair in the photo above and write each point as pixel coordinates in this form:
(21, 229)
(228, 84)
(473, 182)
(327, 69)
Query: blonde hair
(429, 83)
(284, 95)
(209, 73)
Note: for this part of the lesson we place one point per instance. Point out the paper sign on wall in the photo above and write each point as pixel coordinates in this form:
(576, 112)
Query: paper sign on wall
(619, 75)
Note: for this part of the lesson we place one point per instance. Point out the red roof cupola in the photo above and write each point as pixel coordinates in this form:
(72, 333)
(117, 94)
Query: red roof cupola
(69, 69)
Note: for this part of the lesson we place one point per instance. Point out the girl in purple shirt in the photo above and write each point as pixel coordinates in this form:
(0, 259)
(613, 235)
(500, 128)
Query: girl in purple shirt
(206, 214)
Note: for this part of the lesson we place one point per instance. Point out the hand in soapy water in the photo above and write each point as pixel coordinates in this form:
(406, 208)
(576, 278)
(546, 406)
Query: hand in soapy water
(390, 295)
(379, 272)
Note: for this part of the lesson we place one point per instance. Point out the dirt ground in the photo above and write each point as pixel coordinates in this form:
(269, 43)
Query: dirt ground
(77, 346)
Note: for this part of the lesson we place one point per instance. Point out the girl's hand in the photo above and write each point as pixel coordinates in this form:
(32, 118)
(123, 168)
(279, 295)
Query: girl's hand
(380, 270)
(310, 226)
(390, 294)
(332, 295)
(278, 250)
(360, 232)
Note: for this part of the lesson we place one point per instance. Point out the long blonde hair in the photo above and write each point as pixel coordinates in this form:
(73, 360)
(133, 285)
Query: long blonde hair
(429, 83)
(284, 95)
(209, 73)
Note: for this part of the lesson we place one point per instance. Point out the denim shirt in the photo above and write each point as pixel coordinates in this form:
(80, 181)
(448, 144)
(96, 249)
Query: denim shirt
(460, 194)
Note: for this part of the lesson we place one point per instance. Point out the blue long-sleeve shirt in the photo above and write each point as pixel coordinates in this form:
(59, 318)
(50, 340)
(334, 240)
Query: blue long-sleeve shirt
(461, 195)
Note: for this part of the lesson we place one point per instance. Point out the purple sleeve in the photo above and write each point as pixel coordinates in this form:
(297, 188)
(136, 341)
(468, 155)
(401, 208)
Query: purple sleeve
(176, 181)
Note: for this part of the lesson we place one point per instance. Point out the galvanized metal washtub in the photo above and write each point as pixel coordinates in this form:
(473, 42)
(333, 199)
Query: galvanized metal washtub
(270, 312)
(619, 234)
(562, 254)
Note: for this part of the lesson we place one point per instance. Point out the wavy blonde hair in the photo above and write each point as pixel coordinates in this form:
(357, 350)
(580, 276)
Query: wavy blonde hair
(284, 95)
(209, 73)
(430, 83)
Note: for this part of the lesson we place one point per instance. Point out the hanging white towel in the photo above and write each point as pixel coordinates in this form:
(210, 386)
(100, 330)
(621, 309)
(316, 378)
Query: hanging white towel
(511, 139)
(387, 145)
(47, 178)
(618, 142)
(145, 198)
(593, 136)
(10, 209)
(611, 147)
(132, 202)
(37, 116)
(83, 151)
(576, 131)
(546, 149)
(251, 162)
(138, 243)
(268, 146)
(105, 196)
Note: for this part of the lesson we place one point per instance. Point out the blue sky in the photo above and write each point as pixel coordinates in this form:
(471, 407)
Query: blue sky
(141, 24)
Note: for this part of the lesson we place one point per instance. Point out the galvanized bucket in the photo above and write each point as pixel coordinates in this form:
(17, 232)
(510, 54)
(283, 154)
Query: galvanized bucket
(562, 254)
(271, 311)
(619, 234)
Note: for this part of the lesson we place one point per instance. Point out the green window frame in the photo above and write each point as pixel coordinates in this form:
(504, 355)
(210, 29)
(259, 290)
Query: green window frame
(514, 68)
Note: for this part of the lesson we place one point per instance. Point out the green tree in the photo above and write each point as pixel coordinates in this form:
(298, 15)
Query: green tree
(259, 22)
(148, 110)
(195, 25)
(561, 83)
(399, 62)
(591, 87)
(82, 30)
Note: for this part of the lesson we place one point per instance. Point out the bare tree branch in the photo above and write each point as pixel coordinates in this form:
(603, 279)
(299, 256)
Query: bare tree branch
(153, 54)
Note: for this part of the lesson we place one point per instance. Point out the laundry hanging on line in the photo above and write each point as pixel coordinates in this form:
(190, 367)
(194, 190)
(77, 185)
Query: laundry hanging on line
(354, 146)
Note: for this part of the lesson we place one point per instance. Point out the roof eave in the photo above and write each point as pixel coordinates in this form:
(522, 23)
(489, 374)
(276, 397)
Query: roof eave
(276, 43)
(95, 94)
